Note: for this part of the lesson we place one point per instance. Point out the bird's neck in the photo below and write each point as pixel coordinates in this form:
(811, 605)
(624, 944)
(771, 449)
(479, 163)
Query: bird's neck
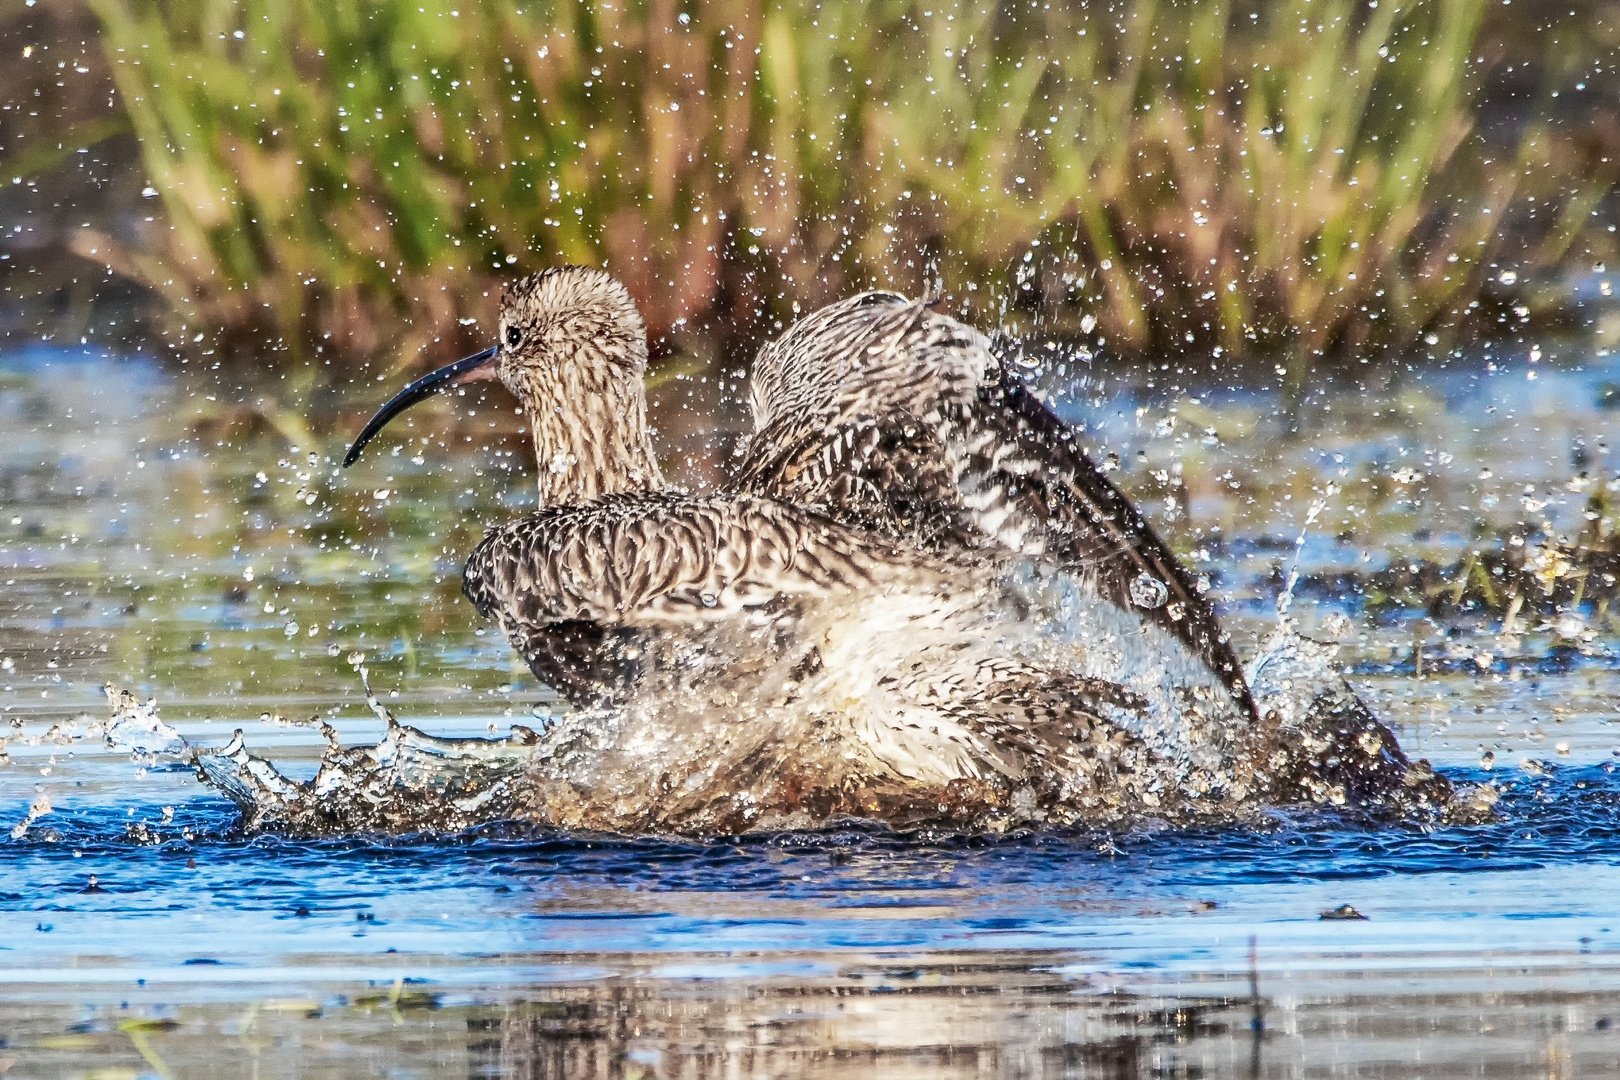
(592, 442)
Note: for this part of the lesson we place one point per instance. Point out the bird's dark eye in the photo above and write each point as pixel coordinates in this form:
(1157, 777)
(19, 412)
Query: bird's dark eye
(514, 336)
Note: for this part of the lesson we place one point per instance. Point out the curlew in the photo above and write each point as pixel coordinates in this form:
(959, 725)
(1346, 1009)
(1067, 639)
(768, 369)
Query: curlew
(859, 672)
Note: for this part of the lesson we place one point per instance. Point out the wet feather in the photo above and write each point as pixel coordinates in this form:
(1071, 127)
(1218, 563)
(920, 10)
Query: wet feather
(884, 414)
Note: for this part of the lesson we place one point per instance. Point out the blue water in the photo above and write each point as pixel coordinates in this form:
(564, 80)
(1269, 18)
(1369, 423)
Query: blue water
(224, 908)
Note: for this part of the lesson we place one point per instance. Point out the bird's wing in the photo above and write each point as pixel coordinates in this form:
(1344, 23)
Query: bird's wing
(887, 473)
(872, 355)
(888, 415)
(651, 559)
(846, 414)
(587, 663)
(1031, 486)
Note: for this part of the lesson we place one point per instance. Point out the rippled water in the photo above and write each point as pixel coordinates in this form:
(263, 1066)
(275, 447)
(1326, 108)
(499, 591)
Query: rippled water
(140, 935)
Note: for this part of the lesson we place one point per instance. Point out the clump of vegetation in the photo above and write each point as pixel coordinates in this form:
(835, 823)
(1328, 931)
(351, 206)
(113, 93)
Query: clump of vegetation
(1530, 578)
(1299, 177)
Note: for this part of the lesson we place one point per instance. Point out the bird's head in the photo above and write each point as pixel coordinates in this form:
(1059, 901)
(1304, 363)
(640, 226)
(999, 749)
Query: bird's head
(570, 337)
(572, 347)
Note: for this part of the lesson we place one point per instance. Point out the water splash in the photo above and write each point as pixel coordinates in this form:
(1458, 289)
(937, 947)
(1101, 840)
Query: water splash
(708, 770)
(1285, 599)
(135, 727)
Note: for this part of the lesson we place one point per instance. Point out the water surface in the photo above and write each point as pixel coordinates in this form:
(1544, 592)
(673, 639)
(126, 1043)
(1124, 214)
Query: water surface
(157, 534)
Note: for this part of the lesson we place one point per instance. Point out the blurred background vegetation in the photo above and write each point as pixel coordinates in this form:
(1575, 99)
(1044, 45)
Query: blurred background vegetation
(1299, 179)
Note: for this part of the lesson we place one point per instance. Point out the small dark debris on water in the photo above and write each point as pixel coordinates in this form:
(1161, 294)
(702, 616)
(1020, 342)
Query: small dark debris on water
(301, 912)
(1603, 1023)
(1343, 911)
(1205, 905)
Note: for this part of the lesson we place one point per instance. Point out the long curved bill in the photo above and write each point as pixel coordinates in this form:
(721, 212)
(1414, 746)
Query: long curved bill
(475, 367)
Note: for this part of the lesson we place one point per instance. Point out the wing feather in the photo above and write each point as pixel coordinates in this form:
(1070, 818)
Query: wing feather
(630, 559)
(944, 448)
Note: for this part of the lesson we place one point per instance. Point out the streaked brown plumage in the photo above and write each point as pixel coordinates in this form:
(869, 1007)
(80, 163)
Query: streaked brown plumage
(611, 549)
(879, 660)
(759, 664)
(885, 415)
(573, 586)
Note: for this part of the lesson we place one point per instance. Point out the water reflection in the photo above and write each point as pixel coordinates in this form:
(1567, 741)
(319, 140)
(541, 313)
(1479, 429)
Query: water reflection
(971, 1016)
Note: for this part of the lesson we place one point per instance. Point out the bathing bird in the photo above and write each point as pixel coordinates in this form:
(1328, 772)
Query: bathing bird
(884, 414)
(832, 664)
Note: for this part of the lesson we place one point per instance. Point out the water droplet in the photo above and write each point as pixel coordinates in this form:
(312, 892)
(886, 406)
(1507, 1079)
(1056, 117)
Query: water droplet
(1149, 592)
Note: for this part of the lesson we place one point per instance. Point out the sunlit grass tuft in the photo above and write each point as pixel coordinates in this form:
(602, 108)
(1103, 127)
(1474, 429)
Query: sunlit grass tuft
(1301, 178)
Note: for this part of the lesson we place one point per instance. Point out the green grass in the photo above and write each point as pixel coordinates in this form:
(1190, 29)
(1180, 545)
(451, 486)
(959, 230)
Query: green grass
(1300, 178)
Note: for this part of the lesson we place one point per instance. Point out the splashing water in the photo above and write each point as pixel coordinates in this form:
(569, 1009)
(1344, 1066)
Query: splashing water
(730, 764)
(1285, 599)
